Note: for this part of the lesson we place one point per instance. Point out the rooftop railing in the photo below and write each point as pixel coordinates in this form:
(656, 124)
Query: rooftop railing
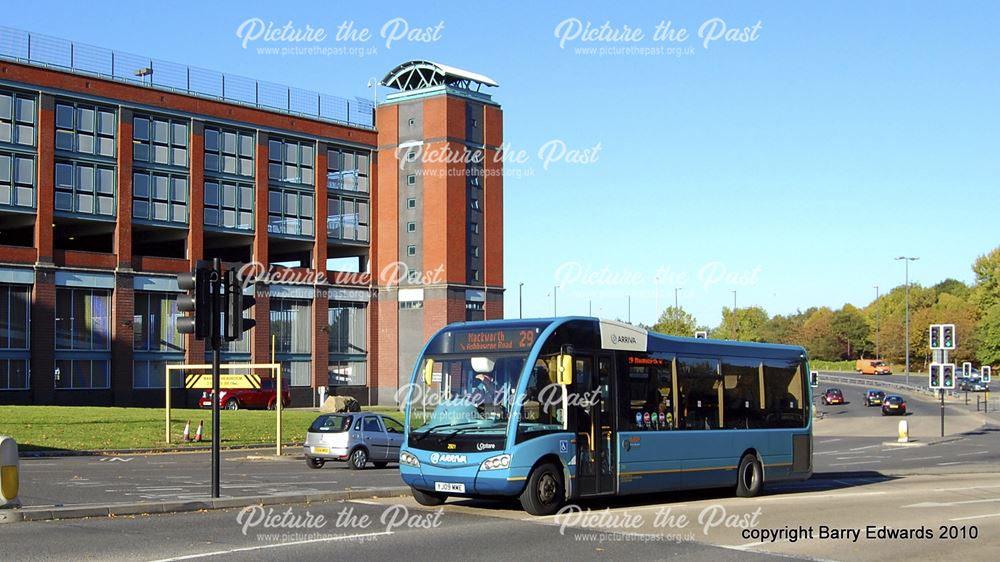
(79, 58)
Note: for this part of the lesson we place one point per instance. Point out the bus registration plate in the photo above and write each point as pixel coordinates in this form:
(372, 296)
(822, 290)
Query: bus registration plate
(454, 487)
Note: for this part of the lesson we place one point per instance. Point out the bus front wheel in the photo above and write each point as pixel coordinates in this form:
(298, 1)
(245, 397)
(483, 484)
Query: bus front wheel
(429, 499)
(545, 491)
(749, 477)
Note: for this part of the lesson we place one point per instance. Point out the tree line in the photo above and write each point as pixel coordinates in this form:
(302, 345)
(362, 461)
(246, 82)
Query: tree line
(877, 329)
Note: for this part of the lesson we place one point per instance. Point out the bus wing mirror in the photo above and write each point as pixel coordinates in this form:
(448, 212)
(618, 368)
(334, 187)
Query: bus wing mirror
(429, 372)
(564, 366)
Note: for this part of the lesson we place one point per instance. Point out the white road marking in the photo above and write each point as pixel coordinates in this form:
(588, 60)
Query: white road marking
(975, 517)
(925, 458)
(364, 502)
(948, 463)
(951, 504)
(820, 496)
(866, 447)
(970, 454)
(964, 488)
(278, 545)
(828, 441)
(854, 463)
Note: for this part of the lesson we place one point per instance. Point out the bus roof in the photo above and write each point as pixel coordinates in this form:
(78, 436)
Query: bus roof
(656, 341)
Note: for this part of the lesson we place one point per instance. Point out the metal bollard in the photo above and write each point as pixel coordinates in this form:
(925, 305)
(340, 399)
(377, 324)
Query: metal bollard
(8, 480)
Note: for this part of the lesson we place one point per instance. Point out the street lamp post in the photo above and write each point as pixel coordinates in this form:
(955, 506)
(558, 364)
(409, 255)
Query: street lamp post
(629, 315)
(675, 295)
(555, 309)
(878, 325)
(736, 323)
(520, 300)
(907, 261)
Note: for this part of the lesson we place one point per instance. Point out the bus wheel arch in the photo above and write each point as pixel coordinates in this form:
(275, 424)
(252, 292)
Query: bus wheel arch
(545, 490)
(749, 474)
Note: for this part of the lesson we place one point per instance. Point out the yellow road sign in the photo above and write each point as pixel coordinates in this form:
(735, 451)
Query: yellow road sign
(228, 380)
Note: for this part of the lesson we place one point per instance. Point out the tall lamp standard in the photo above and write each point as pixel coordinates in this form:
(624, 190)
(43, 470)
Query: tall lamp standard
(907, 260)
(878, 325)
(675, 295)
(736, 323)
(520, 300)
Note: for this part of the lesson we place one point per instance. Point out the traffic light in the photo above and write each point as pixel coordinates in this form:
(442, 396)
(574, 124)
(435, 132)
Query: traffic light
(948, 376)
(197, 301)
(814, 379)
(935, 336)
(935, 381)
(966, 369)
(948, 336)
(236, 303)
(985, 373)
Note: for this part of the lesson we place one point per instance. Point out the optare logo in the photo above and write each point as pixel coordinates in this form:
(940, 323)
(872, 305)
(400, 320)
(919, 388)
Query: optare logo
(485, 446)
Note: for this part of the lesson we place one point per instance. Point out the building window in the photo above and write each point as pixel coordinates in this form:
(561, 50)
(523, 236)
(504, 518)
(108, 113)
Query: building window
(411, 156)
(475, 251)
(82, 373)
(160, 197)
(153, 323)
(475, 123)
(475, 228)
(228, 151)
(347, 373)
(158, 140)
(347, 218)
(14, 319)
(290, 212)
(412, 122)
(411, 250)
(348, 328)
(17, 118)
(411, 203)
(474, 204)
(475, 275)
(291, 323)
(229, 204)
(83, 327)
(14, 374)
(86, 129)
(290, 161)
(347, 170)
(411, 179)
(151, 374)
(82, 319)
(85, 188)
(17, 180)
(411, 305)
(411, 227)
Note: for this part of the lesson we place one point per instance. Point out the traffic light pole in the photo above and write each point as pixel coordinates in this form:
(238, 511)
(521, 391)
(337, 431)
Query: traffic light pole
(216, 340)
(944, 359)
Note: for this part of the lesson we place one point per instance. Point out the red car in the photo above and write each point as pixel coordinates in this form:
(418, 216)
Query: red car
(236, 398)
(833, 396)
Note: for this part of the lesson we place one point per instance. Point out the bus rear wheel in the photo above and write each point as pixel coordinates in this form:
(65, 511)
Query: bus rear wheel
(749, 477)
(545, 491)
(429, 499)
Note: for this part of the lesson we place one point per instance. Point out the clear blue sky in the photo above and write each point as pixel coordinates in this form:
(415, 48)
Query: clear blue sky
(845, 134)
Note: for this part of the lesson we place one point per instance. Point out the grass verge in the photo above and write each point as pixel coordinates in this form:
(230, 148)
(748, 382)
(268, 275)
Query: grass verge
(83, 428)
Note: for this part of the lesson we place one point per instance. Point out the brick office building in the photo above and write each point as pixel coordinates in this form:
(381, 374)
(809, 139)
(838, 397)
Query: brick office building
(117, 173)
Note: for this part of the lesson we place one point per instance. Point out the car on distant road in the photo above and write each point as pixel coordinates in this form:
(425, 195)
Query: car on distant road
(874, 397)
(872, 367)
(972, 384)
(236, 398)
(894, 405)
(357, 438)
(832, 396)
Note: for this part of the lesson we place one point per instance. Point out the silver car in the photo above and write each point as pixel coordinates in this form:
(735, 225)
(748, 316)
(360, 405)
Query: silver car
(357, 438)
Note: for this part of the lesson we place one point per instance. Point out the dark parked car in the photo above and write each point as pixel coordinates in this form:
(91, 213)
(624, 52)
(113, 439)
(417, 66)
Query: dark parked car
(894, 405)
(874, 397)
(832, 396)
(973, 384)
(236, 398)
(356, 438)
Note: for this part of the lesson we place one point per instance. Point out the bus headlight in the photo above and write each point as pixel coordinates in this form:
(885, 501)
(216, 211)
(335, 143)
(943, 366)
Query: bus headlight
(408, 460)
(496, 463)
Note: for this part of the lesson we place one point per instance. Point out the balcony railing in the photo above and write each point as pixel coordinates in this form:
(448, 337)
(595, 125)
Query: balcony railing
(53, 52)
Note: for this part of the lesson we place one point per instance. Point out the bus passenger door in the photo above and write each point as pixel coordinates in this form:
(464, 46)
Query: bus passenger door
(594, 418)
